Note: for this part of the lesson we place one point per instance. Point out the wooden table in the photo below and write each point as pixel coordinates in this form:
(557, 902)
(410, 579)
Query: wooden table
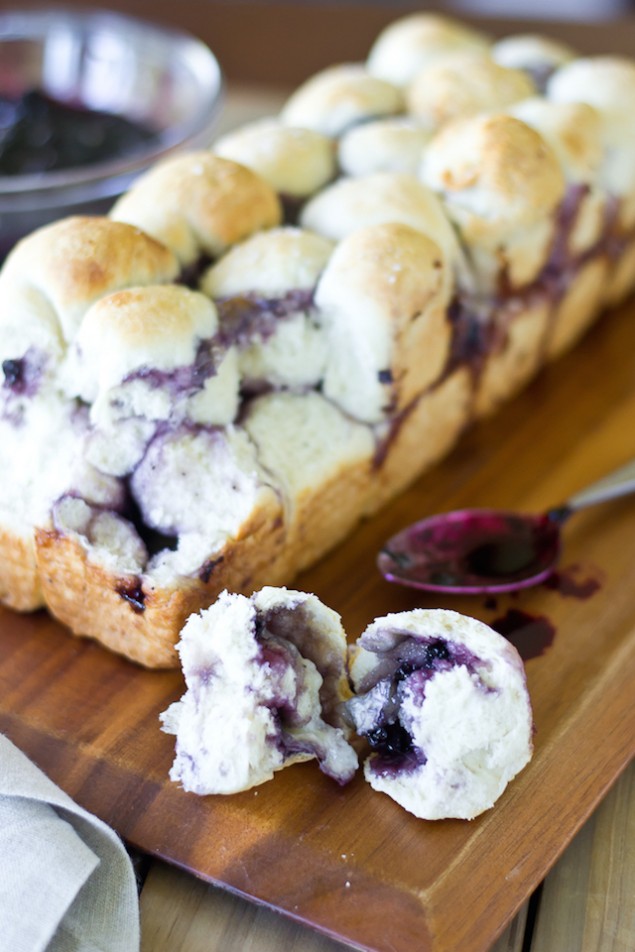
(587, 901)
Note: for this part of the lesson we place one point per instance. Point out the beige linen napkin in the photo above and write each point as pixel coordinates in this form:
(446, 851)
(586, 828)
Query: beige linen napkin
(66, 881)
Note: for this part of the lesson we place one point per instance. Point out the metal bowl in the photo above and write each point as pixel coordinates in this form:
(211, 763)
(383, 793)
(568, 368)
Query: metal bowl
(164, 80)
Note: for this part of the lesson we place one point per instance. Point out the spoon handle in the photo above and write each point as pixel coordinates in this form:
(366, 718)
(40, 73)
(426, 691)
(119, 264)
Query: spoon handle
(619, 483)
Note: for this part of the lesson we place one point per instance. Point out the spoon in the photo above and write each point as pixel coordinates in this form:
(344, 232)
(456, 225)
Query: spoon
(482, 551)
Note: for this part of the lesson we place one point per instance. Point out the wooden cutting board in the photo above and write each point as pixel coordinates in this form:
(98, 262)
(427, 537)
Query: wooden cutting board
(349, 861)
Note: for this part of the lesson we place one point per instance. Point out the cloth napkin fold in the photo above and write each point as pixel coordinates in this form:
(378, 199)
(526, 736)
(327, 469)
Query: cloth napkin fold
(66, 881)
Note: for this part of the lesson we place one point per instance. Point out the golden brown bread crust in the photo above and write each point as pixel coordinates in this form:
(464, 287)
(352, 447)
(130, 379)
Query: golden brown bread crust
(142, 622)
(19, 579)
(198, 203)
(579, 307)
(516, 359)
(421, 436)
(66, 266)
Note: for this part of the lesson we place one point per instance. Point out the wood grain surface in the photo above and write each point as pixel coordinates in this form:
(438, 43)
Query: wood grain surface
(349, 861)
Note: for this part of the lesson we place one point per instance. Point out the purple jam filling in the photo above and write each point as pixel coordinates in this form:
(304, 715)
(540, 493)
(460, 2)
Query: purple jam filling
(296, 625)
(187, 379)
(404, 664)
(282, 634)
(22, 379)
(280, 655)
(131, 590)
(246, 317)
(474, 333)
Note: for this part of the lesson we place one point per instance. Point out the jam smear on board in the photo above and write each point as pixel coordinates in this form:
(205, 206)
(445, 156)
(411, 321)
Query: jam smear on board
(531, 635)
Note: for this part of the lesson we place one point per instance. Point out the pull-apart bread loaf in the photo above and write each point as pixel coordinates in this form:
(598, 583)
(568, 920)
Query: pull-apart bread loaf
(265, 341)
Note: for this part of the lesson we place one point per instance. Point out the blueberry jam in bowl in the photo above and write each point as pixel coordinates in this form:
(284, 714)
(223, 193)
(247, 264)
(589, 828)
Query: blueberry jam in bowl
(88, 100)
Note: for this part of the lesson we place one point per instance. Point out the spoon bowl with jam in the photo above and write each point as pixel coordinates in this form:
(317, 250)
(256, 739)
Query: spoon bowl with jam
(487, 551)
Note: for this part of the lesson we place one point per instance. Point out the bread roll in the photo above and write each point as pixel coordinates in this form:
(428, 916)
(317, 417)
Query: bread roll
(537, 55)
(414, 41)
(462, 85)
(265, 676)
(339, 97)
(199, 204)
(296, 162)
(443, 703)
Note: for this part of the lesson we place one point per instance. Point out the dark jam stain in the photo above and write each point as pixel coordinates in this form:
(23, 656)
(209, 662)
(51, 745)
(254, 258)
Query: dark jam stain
(41, 134)
(22, 375)
(207, 568)
(570, 583)
(531, 635)
(132, 592)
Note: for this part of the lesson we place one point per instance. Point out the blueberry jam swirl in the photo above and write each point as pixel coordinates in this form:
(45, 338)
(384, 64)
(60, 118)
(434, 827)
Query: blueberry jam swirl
(246, 317)
(21, 378)
(293, 718)
(405, 665)
(189, 378)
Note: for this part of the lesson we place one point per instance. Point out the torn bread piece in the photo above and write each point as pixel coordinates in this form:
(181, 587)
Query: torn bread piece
(265, 678)
(264, 290)
(442, 700)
